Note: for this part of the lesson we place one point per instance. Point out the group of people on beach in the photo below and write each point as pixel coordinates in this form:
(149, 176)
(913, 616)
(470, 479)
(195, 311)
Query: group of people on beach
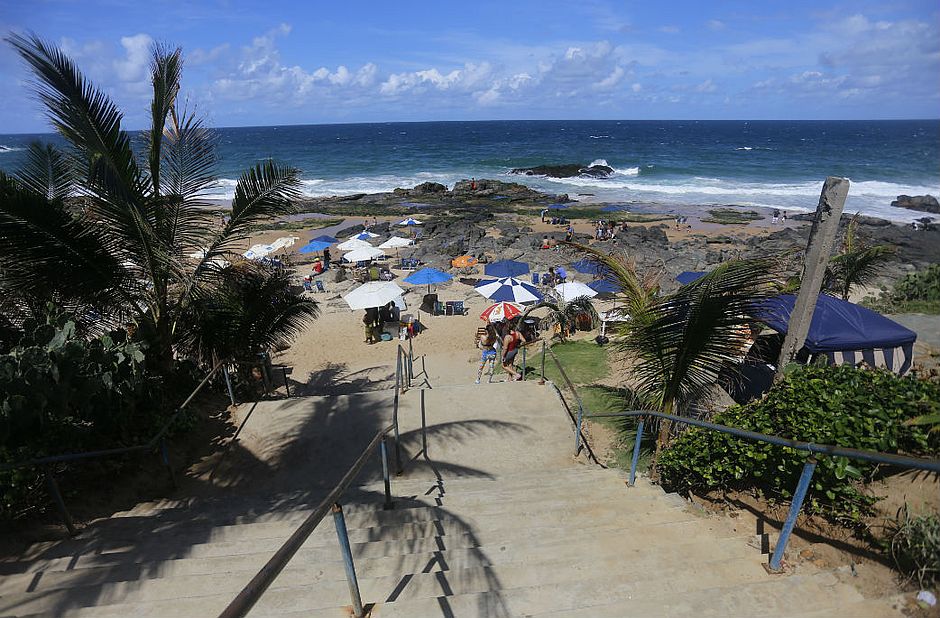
(776, 216)
(605, 230)
(376, 318)
(500, 338)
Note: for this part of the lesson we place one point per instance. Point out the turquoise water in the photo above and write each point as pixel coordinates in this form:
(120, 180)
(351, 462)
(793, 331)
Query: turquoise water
(747, 163)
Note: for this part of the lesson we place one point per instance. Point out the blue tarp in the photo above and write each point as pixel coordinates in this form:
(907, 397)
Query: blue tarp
(326, 238)
(838, 325)
(506, 268)
(604, 286)
(689, 276)
(314, 246)
(588, 267)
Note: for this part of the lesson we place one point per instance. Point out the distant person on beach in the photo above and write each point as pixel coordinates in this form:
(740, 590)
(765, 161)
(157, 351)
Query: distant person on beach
(569, 233)
(326, 259)
(544, 212)
(678, 221)
(487, 345)
(784, 216)
(512, 339)
(473, 184)
(369, 321)
(545, 244)
(776, 217)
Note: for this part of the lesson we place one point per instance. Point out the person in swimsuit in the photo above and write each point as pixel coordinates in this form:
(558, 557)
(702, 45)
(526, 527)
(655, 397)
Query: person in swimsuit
(488, 354)
(512, 339)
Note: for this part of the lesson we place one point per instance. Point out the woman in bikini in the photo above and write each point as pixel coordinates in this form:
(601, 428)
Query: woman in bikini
(488, 354)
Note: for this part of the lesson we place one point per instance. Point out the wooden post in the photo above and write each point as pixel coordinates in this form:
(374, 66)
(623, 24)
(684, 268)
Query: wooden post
(821, 238)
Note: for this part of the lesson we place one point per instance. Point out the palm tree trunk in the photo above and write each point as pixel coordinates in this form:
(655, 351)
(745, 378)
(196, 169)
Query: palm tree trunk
(662, 440)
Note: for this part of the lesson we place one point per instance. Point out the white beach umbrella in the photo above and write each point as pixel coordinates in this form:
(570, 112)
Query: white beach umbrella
(364, 253)
(396, 241)
(373, 294)
(574, 289)
(258, 251)
(352, 243)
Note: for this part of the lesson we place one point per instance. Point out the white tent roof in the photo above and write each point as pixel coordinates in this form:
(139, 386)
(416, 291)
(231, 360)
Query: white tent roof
(352, 243)
(364, 253)
(395, 241)
(574, 289)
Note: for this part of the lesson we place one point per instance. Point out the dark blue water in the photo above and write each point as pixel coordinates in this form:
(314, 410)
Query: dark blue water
(754, 163)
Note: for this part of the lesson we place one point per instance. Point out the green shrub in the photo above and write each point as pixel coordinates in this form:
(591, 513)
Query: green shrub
(61, 393)
(915, 293)
(915, 546)
(843, 406)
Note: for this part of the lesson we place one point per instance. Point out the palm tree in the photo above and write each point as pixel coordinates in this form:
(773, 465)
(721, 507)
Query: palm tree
(856, 264)
(564, 315)
(107, 234)
(679, 343)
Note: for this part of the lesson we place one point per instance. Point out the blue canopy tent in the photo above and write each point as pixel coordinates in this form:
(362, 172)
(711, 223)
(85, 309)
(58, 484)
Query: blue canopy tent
(604, 286)
(427, 276)
(326, 238)
(506, 268)
(557, 206)
(689, 276)
(846, 333)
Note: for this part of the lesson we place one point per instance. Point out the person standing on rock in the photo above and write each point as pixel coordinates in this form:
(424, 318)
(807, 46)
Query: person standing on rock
(326, 258)
(473, 184)
(569, 233)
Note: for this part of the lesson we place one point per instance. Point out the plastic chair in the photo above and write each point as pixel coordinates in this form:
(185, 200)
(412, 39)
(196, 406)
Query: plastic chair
(458, 308)
(535, 278)
(319, 285)
(308, 287)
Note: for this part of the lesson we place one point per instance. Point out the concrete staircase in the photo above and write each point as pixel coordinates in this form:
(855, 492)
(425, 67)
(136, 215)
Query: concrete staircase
(498, 520)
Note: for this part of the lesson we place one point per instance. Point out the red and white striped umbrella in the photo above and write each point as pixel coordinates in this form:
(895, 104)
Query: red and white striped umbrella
(501, 311)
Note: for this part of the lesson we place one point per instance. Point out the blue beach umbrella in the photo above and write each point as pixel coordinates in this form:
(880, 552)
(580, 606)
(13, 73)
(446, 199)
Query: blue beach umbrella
(508, 290)
(689, 276)
(588, 267)
(327, 239)
(427, 276)
(314, 246)
(506, 268)
(365, 236)
(604, 286)
(409, 221)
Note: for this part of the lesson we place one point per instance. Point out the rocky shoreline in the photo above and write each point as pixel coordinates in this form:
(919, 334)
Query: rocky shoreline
(493, 220)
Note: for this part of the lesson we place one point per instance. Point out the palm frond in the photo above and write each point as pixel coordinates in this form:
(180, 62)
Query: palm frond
(166, 69)
(252, 310)
(683, 341)
(47, 252)
(85, 116)
(856, 264)
(636, 292)
(47, 172)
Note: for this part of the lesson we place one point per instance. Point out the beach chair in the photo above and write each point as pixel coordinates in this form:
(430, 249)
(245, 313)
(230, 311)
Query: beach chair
(455, 307)
(308, 287)
(535, 278)
(429, 304)
(319, 285)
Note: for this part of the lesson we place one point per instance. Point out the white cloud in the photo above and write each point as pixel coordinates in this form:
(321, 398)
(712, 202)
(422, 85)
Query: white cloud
(715, 24)
(636, 87)
(706, 86)
(669, 29)
(611, 80)
(137, 58)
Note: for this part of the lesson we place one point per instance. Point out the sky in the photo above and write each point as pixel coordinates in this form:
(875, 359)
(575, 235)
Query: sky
(278, 63)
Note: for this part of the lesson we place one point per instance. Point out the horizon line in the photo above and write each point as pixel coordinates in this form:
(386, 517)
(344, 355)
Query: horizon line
(390, 122)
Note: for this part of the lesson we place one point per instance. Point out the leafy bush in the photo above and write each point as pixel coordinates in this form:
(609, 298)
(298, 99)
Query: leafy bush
(915, 293)
(843, 406)
(61, 393)
(915, 546)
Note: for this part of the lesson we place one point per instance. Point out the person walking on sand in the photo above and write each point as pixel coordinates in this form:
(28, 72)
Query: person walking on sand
(569, 233)
(487, 345)
(326, 258)
(512, 339)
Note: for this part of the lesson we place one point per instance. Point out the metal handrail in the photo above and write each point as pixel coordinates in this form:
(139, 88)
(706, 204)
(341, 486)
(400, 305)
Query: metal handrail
(931, 465)
(158, 439)
(253, 591)
(574, 391)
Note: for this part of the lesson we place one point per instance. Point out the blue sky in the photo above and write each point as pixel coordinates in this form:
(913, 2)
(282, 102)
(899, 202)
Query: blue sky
(262, 63)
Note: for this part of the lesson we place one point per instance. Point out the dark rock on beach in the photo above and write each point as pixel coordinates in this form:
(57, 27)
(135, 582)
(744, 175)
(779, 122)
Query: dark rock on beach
(923, 203)
(568, 170)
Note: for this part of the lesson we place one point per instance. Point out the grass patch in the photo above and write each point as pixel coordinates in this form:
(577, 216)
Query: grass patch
(585, 362)
(731, 216)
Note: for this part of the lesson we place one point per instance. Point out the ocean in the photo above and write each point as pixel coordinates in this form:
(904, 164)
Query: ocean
(660, 165)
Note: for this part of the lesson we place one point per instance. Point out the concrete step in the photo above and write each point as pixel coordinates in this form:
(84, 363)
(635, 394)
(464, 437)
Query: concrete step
(300, 589)
(662, 595)
(870, 608)
(322, 563)
(492, 517)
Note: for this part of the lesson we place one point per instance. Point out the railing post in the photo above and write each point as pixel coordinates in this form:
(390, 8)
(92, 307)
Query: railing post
(340, 522)
(577, 432)
(424, 427)
(398, 379)
(411, 362)
(228, 384)
(165, 457)
(388, 484)
(53, 488)
(523, 363)
(636, 451)
(805, 477)
(286, 383)
(542, 380)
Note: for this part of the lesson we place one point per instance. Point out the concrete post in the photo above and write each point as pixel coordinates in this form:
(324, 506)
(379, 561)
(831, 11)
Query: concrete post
(821, 238)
